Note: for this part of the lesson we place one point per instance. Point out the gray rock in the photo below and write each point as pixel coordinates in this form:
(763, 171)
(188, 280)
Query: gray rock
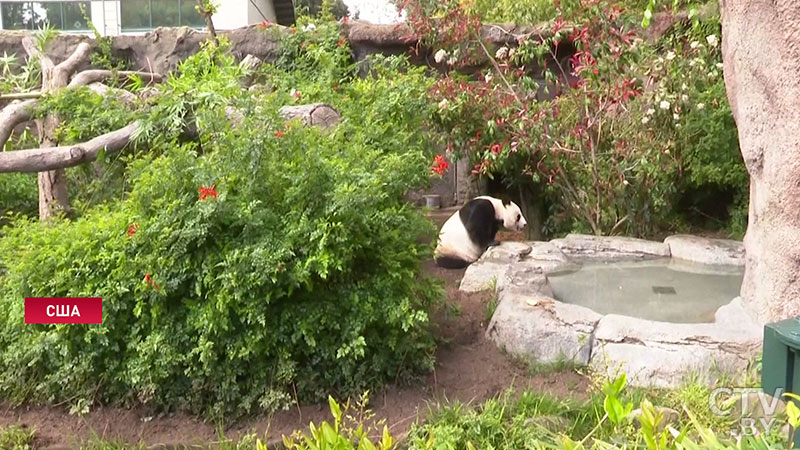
(757, 405)
(769, 139)
(525, 278)
(545, 251)
(660, 354)
(734, 315)
(603, 248)
(490, 269)
(507, 252)
(542, 329)
(482, 276)
(706, 251)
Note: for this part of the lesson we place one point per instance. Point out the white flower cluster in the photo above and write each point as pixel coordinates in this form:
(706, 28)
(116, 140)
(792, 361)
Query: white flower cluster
(504, 53)
(441, 55)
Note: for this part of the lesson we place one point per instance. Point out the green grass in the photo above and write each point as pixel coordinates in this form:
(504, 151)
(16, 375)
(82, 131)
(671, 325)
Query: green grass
(536, 420)
(15, 437)
(490, 307)
(561, 364)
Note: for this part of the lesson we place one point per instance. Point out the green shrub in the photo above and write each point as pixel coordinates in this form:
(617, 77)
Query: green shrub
(256, 265)
(19, 194)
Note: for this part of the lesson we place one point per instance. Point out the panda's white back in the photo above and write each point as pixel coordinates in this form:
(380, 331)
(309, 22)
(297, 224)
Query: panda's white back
(454, 240)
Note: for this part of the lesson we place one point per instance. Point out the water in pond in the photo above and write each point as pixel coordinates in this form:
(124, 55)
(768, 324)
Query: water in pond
(664, 290)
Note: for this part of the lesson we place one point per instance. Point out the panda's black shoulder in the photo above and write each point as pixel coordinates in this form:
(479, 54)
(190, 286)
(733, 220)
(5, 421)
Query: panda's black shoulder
(482, 204)
(479, 219)
(477, 207)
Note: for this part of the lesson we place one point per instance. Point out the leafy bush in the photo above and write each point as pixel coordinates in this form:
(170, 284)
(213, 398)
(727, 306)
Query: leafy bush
(605, 130)
(254, 266)
(19, 194)
(706, 141)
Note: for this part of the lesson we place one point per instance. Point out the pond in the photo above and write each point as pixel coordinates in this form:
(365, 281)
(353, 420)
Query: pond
(665, 290)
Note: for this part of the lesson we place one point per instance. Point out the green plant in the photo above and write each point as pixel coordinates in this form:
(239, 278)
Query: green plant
(104, 56)
(16, 77)
(242, 269)
(561, 364)
(336, 436)
(490, 307)
(19, 195)
(16, 438)
(615, 410)
(44, 36)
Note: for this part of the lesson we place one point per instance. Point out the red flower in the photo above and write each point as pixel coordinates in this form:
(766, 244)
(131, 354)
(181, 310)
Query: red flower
(341, 42)
(132, 228)
(207, 191)
(279, 134)
(440, 165)
(265, 24)
(497, 148)
(293, 30)
(149, 281)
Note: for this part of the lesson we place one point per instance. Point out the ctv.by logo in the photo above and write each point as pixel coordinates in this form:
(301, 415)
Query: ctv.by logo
(758, 412)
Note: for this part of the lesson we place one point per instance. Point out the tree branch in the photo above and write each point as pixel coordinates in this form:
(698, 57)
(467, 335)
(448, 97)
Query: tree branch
(43, 159)
(20, 95)
(127, 97)
(13, 115)
(93, 76)
(33, 51)
(207, 11)
(78, 57)
(52, 158)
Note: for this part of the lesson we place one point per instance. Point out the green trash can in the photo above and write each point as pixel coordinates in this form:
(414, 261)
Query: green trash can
(780, 361)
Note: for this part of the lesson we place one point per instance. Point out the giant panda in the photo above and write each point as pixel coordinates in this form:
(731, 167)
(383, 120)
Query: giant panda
(472, 229)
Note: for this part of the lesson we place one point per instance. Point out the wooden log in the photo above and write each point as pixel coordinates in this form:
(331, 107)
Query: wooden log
(319, 114)
(13, 115)
(53, 158)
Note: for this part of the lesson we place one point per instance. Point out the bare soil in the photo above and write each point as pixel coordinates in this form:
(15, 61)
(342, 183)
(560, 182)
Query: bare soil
(469, 369)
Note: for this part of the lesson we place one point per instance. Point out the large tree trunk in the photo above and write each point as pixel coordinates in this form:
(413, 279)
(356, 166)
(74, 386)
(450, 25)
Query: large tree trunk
(761, 53)
(53, 197)
(53, 193)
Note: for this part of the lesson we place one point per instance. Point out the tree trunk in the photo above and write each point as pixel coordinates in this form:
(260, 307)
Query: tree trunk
(761, 54)
(53, 197)
(53, 193)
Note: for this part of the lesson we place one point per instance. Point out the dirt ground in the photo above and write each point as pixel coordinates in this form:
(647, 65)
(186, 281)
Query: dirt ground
(469, 369)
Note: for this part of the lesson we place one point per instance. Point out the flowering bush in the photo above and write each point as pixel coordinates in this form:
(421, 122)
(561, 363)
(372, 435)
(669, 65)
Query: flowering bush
(243, 270)
(572, 114)
(701, 132)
